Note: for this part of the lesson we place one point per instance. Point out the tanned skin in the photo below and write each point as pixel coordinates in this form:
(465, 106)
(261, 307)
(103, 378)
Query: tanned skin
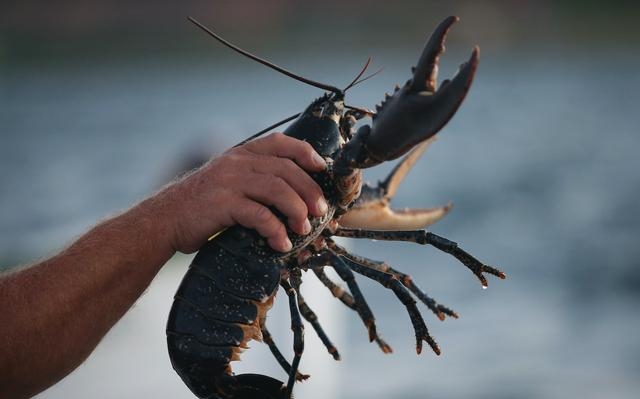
(54, 313)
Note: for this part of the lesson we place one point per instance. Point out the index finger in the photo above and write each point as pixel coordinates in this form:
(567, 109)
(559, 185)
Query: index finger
(280, 145)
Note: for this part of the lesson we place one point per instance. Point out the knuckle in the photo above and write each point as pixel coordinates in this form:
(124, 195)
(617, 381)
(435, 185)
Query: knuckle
(235, 157)
(309, 189)
(307, 148)
(277, 137)
(288, 165)
(315, 194)
(295, 205)
(276, 184)
(262, 214)
(274, 228)
(301, 211)
(279, 230)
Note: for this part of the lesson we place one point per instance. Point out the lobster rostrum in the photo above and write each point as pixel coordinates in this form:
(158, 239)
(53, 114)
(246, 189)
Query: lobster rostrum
(222, 301)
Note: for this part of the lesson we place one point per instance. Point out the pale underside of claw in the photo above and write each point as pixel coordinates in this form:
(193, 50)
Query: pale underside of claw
(379, 216)
(372, 211)
(397, 175)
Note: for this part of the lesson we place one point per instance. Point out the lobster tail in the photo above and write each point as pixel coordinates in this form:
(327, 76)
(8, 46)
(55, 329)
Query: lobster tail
(206, 376)
(215, 313)
(256, 386)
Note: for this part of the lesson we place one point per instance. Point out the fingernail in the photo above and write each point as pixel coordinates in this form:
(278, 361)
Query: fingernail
(306, 228)
(318, 160)
(322, 206)
(286, 245)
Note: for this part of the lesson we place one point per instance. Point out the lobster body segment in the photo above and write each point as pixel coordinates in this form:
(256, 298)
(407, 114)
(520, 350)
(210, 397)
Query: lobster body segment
(224, 297)
(319, 125)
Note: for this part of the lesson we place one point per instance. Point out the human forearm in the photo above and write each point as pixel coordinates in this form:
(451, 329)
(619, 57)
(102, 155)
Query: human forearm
(54, 313)
(63, 306)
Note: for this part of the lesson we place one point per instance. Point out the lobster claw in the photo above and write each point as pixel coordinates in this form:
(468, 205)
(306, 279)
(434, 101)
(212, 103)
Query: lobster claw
(416, 111)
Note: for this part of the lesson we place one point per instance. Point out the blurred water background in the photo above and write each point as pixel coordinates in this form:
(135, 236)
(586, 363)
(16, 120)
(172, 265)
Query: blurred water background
(101, 103)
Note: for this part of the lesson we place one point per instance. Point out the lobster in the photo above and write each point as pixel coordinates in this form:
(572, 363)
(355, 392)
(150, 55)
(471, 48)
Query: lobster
(224, 297)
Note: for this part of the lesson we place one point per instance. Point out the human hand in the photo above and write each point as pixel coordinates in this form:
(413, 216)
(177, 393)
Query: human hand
(238, 187)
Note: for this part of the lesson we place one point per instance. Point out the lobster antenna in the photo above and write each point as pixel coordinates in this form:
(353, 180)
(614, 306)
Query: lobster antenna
(266, 129)
(353, 82)
(367, 77)
(263, 61)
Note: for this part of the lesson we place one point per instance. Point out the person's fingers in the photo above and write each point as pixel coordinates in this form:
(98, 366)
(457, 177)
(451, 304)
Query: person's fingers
(253, 215)
(277, 144)
(270, 189)
(303, 185)
(247, 184)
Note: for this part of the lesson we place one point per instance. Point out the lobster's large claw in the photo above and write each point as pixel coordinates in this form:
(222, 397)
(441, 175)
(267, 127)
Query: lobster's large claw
(416, 111)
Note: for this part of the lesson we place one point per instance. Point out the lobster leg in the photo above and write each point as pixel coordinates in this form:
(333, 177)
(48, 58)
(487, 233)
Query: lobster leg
(348, 300)
(326, 257)
(391, 282)
(310, 316)
(405, 279)
(424, 237)
(335, 289)
(298, 336)
(268, 339)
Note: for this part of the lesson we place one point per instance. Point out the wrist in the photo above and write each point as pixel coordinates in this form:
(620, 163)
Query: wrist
(154, 220)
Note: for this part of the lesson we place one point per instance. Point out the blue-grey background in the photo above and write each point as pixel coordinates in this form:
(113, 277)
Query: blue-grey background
(101, 104)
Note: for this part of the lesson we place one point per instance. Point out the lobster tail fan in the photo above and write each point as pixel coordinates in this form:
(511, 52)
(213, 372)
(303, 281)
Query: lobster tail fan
(257, 386)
